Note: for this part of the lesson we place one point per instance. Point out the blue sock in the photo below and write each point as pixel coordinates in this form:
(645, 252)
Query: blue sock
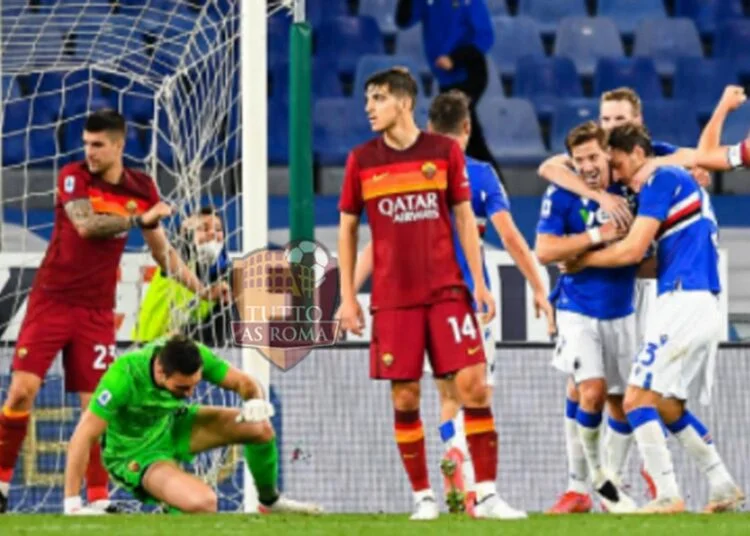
(640, 416)
(588, 420)
(620, 427)
(689, 419)
(571, 409)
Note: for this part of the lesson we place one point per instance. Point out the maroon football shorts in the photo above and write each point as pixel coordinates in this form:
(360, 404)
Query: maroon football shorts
(447, 330)
(85, 335)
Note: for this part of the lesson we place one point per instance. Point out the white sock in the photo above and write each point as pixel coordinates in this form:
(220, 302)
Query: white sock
(588, 432)
(653, 449)
(484, 489)
(459, 441)
(5, 488)
(694, 437)
(423, 494)
(577, 468)
(617, 446)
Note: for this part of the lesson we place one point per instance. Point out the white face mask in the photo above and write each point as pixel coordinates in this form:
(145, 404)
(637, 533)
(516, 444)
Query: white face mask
(209, 252)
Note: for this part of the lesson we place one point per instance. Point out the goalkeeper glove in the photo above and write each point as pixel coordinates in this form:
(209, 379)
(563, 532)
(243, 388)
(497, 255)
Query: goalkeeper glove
(255, 410)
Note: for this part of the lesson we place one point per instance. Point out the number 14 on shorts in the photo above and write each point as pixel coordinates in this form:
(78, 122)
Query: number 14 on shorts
(104, 355)
(467, 329)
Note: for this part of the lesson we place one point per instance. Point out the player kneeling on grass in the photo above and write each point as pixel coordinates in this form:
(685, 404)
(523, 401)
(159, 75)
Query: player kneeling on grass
(146, 426)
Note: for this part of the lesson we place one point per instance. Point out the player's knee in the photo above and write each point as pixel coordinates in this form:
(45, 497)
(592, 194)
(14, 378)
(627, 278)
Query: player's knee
(474, 391)
(592, 394)
(21, 394)
(406, 396)
(205, 502)
(636, 398)
(615, 408)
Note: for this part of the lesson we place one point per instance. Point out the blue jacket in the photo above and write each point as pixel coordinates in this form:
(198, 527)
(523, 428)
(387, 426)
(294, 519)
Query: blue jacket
(454, 28)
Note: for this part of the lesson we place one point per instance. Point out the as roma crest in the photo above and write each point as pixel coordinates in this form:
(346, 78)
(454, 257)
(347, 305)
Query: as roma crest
(429, 169)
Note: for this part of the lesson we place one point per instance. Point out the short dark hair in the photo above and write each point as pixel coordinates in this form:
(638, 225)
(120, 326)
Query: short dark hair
(180, 354)
(106, 120)
(448, 112)
(208, 210)
(627, 137)
(583, 133)
(398, 80)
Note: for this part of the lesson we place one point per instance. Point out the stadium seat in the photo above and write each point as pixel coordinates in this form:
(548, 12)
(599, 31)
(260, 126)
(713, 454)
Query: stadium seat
(338, 126)
(71, 146)
(497, 7)
(11, 89)
(672, 121)
(14, 149)
(422, 113)
(372, 63)
(319, 11)
(638, 73)
(708, 14)
(42, 146)
(343, 40)
(736, 126)
(586, 39)
(666, 40)
(494, 83)
(515, 37)
(409, 43)
(733, 43)
(16, 115)
(547, 13)
(137, 103)
(135, 143)
(627, 16)
(278, 40)
(569, 114)
(702, 81)
(544, 81)
(512, 132)
(383, 11)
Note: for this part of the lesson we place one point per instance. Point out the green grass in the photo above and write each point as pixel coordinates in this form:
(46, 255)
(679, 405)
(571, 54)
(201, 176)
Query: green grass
(375, 525)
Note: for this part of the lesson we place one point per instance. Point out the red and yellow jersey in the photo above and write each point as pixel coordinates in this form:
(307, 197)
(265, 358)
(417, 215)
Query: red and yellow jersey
(84, 271)
(408, 196)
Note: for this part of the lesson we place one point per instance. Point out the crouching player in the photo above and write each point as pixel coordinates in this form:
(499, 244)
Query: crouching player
(139, 411)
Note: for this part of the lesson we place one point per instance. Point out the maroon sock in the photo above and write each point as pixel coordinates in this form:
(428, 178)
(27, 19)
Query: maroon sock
(13, 426)
(482, 440)
(96, 476)
(410, 441)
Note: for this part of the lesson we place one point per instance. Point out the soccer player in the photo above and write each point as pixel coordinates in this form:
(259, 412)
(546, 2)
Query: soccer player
(141, 414)
(72, 298)
(711, 154)
(596, 325)
(449, 115)
(409, 181)
(684, 329)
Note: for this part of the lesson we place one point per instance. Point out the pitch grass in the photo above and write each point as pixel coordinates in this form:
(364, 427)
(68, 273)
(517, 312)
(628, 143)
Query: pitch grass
(373, 525)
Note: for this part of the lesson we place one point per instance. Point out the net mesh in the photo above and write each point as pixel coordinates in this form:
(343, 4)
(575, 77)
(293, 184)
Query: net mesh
(171, 67)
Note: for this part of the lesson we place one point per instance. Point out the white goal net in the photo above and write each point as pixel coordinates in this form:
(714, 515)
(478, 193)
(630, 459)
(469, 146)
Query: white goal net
(173, 69)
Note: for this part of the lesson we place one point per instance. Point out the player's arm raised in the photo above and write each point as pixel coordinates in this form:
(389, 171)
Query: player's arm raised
(90, 428)
(556, 169)
(711, 154)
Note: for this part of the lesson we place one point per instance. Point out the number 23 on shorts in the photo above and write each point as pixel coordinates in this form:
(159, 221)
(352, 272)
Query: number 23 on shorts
(104, 355)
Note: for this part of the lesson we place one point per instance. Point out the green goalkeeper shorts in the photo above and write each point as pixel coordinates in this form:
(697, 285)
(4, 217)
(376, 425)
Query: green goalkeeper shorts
(128, 471)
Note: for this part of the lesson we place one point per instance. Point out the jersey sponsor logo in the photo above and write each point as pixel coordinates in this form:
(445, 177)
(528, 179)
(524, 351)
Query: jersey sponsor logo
(429, 169)
(104, 398)
(69, 184)
(592, 218)
(410, 207)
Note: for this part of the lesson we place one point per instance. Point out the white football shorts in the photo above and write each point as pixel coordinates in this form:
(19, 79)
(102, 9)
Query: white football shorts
(488, 343)
(645, 298)
(679, 357)
(588, 348)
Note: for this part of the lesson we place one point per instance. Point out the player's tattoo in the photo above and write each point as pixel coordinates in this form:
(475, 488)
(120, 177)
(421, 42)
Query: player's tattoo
(82, 214)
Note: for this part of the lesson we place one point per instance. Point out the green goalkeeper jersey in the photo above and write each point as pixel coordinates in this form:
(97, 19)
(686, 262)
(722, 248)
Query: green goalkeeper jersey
(139, 414)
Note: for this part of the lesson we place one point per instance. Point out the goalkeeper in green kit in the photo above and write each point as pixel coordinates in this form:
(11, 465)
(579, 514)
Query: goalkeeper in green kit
(147, 428)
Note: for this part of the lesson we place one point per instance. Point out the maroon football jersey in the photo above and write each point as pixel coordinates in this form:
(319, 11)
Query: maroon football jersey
(84, 271)
(408, 197)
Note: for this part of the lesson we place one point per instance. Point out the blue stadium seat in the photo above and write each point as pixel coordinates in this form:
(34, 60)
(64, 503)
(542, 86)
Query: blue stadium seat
(43, 146)
(494, 83)
(672, 121)
(544, 81)
(372, 63)
(702, 81)
(137, 103)
(319, 11)
(515, 37)
(708, 14)
(11, 89)
(71, 146)
(547, 13)
(278, 132)
(409, 43)
(344, 40)
(383, 11)
(736, 126)
(569, 114)
(586, 39)
(334, 137)
(512, 132)
(278, 40)
(325, 80)
(666, 40)
(733, 42)
(637, 73)
(16, 115)
(627, 16)
(497, 7)
(422, 113)
(135, 144)
(44, 109)
(14, 149)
